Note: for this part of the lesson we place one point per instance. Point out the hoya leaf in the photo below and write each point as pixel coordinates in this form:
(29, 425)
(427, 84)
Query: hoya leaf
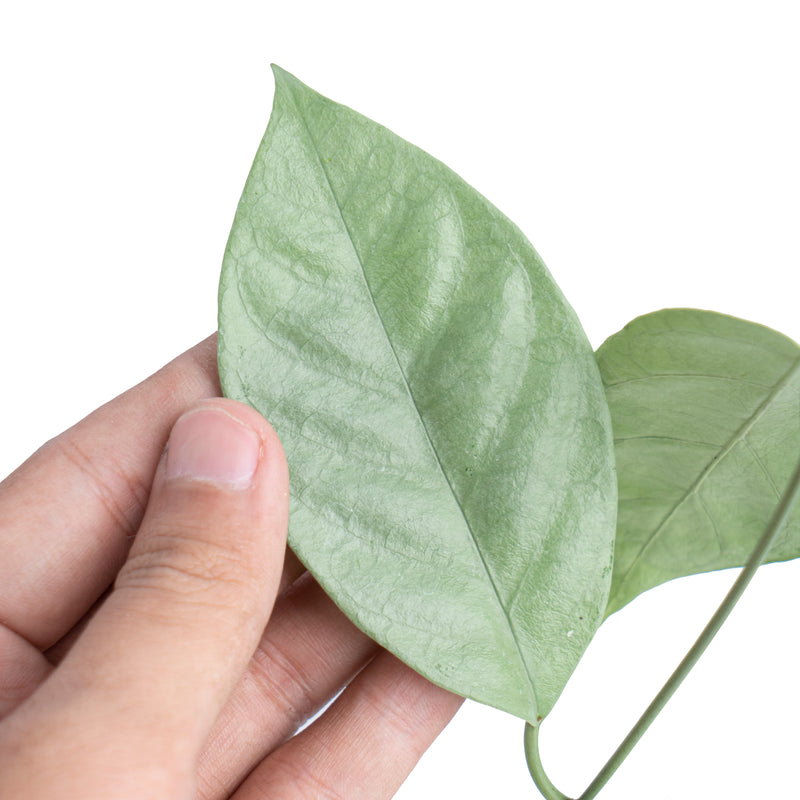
(706, 416)
(444, 420)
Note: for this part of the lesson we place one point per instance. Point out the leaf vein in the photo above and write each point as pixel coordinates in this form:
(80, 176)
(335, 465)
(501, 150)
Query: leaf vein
(473, 537)
(660, 437)
(671, 375)
(764, 469)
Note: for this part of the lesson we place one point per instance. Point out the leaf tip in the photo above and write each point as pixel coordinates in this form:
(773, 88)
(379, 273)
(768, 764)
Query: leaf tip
(282, 77)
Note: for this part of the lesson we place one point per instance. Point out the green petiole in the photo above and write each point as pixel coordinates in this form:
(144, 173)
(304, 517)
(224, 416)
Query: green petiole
(757, 558)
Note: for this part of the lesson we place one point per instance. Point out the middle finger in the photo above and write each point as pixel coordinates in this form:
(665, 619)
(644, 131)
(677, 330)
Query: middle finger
(309, 651)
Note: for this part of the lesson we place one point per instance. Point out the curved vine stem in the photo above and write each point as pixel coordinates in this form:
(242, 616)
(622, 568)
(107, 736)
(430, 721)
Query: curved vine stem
(756, 559)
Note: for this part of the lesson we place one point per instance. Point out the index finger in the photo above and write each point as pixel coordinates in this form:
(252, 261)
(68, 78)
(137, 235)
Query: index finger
(70, 511)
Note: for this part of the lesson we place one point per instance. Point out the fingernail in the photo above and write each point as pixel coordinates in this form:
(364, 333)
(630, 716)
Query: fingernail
(210, 445)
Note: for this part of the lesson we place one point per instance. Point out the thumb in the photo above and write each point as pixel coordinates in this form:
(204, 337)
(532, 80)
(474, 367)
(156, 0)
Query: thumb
(154, 667)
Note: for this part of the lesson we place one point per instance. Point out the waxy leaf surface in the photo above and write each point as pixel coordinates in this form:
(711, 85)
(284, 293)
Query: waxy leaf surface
(444, 420)
(706, 416)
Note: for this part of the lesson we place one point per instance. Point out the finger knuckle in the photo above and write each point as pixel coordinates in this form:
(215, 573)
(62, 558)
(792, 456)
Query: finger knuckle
(283, 682)
(186, 562)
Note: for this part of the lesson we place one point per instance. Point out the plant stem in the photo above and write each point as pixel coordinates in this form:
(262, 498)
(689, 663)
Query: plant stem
(757, 557)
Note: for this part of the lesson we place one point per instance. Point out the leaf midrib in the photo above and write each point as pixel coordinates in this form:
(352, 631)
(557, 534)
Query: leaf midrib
(473, 538)
(737, 437)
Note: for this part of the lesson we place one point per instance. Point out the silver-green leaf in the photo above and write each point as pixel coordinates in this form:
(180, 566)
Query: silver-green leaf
(706, 416)
(443, 416)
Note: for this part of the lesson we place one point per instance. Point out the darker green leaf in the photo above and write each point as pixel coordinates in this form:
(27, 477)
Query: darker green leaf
(706, 416)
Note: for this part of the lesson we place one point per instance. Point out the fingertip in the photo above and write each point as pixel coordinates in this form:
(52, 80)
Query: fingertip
(223, 479)
(226, 442)
(213, 446)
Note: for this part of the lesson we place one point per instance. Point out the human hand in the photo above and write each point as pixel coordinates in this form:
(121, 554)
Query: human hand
(135, 588)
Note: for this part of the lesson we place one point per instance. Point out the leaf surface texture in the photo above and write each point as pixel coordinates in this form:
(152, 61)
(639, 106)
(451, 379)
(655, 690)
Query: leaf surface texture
(444, 420)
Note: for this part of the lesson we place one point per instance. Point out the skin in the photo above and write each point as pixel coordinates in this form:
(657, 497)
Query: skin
(136, 587)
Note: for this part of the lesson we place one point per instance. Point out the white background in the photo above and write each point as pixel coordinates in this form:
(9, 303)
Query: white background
(648, 150)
